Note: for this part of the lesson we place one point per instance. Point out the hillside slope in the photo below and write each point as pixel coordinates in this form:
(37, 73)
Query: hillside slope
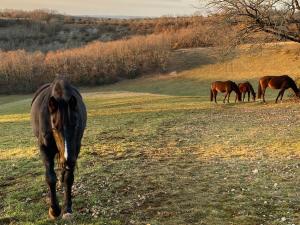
(191, 70)
(47, 30)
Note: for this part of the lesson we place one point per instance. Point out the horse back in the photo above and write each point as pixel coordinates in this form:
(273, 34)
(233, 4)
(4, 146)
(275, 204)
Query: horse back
(223, 86)
(245, 87)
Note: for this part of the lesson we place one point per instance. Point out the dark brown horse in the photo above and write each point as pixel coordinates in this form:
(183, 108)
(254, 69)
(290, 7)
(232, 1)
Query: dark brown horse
(224, 87)
(246, 87)
(276, 82)
(58, 117)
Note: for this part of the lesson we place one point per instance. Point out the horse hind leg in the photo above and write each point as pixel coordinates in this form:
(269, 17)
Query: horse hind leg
(263, 94)
(225, 96)
(244, 95)
(248, 96)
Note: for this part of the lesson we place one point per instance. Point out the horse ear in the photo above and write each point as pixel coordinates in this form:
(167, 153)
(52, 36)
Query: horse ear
(72, 102)
(52, 105)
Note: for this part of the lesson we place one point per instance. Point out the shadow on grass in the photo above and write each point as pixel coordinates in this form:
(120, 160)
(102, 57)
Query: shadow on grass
(187, 59)
(173, 86)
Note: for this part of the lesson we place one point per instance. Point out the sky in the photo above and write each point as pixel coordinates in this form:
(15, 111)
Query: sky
(109, 7)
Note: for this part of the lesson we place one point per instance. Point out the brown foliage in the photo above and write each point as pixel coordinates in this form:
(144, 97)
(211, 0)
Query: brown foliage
(95, 63)
(35, 15)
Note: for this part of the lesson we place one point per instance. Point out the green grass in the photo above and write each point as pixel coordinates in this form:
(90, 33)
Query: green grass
(156, 151)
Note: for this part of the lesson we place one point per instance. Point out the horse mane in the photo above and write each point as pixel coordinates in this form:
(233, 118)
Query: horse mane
(251, 89)
(235, 87)
(63, 89)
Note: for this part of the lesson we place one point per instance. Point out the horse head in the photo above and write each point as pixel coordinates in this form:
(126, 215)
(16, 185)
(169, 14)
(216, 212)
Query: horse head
(62, 107)
(254, 96)
(298, 93)
(236, 88)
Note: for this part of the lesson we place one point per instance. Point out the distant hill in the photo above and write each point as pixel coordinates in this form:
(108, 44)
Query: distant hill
(115, 17)
(48, 30)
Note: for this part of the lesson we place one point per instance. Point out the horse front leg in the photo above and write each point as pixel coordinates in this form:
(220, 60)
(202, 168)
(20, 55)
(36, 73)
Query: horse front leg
(244, 95)
(228, 97)
(67, 181)
(51, 179)
(263, 94)
(280, 94)
(248, 96)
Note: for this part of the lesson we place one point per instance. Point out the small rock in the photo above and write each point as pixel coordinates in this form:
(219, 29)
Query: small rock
(283, 219)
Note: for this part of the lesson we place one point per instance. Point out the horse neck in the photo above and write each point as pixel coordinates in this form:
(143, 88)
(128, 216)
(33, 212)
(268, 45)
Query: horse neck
(294, 87)
(236, 89)
(251, 89)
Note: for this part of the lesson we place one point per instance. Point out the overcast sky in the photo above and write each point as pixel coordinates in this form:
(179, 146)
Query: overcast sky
(108, 7)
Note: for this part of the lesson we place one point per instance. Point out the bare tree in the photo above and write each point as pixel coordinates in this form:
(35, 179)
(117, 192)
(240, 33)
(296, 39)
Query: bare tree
(277, 17)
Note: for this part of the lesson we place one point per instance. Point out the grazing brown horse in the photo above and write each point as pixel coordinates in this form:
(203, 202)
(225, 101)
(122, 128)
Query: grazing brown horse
(246, 87)
(58, 117)
(276, 82)
(224, 87)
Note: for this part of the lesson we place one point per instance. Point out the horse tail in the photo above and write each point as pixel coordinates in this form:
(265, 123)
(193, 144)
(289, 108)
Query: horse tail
(259, 90)
(211, 95)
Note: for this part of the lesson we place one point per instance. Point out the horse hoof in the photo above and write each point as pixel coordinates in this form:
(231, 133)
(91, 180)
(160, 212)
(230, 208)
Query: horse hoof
(67, 216)
(52, 214)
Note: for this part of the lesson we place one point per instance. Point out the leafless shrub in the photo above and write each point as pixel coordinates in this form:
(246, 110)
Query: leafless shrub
(35, 15)
(277, 17)
(96, 63)
(20, 70)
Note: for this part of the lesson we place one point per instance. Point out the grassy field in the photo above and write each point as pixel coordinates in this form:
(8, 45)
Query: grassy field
(156, 151)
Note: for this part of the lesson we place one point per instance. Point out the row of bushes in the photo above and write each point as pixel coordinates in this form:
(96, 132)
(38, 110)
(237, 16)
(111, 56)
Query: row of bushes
(35, 15)
(95, 63)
